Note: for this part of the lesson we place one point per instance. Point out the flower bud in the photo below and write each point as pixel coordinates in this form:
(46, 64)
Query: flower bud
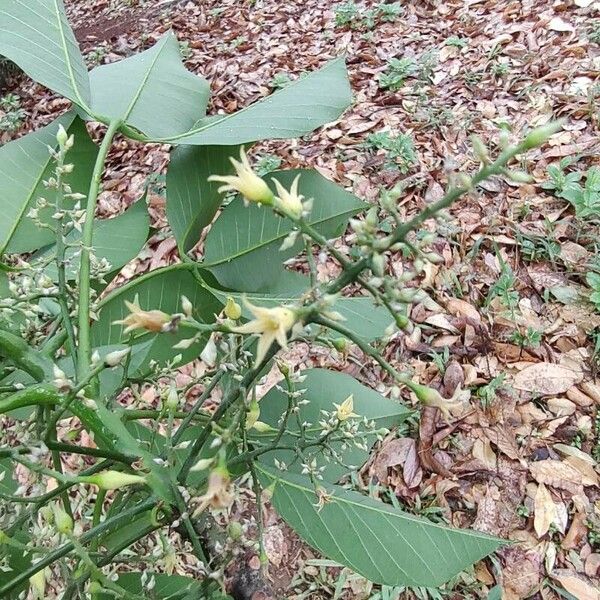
(62, 520)
(234, 530)
(113, 480)
(372, 217)
(479, 149)
(541, 134)
(62, 137)
(252, 414)
(233, 310)
(172, 400)
(262, 427)
(202, 464)
(112, 359)
(186, 306)
(378, 265)
(519, 176)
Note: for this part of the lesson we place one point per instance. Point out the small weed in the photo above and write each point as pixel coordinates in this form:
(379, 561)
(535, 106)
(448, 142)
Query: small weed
(216, 12)
(185, 50)
(499, 68)
(593, 280)
(472, 78)
(584, 198)
(504, 289)
(265, 163)
(400, 149)
(96, 55)
(396, 72)
(13, 116)
(594, 32)
(487, 393)
(532, 338)
(390, 12)
(457, 42)
(279, 81)
(346, 14)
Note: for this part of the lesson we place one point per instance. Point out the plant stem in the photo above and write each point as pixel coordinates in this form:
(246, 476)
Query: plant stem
(60, 259)
(120, 519)
(84, 350)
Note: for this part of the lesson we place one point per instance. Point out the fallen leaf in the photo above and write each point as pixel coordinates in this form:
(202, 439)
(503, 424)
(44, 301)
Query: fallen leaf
(546, 379)
(557, 474)
(545, 510)
(558, 24)
(577, 585)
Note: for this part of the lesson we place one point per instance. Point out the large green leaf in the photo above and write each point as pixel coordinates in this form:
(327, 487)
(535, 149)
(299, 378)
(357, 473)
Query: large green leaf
(378, 541)
(151, 91)
(192, 201)
(36, 35)
(171, 587)
(323, 388)
(242, 247)
(362, 316)
(299, 108)
(118, 240)
(24, 165)
(161, 289)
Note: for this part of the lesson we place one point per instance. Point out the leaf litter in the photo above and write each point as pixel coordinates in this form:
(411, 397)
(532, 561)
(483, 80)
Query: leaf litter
(508, 329)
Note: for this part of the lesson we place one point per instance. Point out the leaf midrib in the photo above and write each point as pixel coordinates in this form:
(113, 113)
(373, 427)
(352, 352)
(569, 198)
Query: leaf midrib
(243, 110)
(389, 512)
(275, 239)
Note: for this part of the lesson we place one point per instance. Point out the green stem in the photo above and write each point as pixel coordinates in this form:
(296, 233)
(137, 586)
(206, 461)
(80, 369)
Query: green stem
(118, 520)
(84, 349)
(60, 260)
(224, 406)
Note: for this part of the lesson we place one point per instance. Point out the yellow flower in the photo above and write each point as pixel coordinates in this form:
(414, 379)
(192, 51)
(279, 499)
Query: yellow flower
(245, 181)
(150, 320)
(271, 324)
(290, 202)
(345, 409)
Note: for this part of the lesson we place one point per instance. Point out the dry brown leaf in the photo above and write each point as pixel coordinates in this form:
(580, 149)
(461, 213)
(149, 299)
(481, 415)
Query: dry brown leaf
(482, 450)
(557, 474)
(545, 510)
(546, 378)
(577, 585)
(558, 24)
(588, 475)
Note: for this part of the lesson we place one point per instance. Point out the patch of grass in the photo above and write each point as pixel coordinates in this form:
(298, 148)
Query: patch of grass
(399, 149)
(13, 116)
(530, 338)
(487, 393)
(504, 288)
(499, 68)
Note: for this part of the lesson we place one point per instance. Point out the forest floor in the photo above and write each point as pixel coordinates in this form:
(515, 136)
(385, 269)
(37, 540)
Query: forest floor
(510, 328)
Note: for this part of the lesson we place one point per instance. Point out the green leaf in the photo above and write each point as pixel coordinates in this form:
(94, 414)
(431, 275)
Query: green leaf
(151, 91)
(167, 587)
(36, 35)
(311, 101)
(242, 246)
(161, 289)
(118, 240)
(8, 484)
(192, 201)
(376, 540)
(323, 389)
(24, 165)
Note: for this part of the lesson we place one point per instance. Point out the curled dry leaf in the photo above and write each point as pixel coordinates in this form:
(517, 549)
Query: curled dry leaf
(577, 585)
(545, 510)
(546, 379)
(557, 474)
